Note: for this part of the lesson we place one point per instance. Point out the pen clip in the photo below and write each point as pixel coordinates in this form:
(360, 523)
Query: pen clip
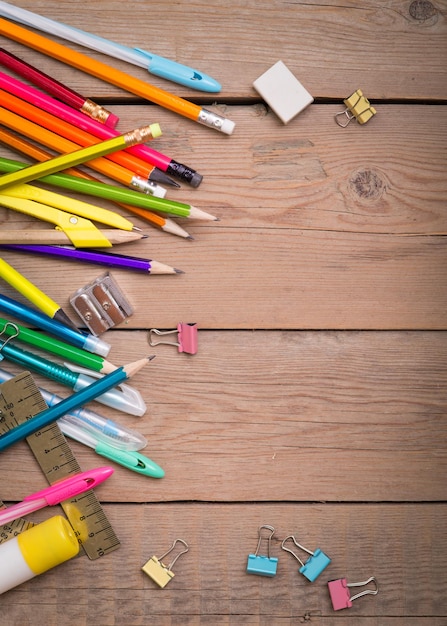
(72, 486)
(179, 73)
(81, 232)
(131, 460)
(130, 399)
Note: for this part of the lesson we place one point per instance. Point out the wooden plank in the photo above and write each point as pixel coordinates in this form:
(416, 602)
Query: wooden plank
(211, 585)
(393, 50)
(328, 256)
(293, 416)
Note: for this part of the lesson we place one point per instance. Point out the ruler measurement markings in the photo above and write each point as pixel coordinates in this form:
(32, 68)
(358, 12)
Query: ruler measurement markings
(21, 396)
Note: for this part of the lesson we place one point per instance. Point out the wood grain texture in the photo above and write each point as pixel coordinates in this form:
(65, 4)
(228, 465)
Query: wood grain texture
(317, 399)
(395, 48)
(293, 416)
(328, 210)
(211, 585)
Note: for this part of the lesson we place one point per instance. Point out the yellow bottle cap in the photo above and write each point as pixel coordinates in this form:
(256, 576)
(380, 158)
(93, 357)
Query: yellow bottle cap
(48, 544)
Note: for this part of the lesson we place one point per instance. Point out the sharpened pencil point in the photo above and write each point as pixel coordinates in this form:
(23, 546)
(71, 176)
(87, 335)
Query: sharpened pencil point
(157, 176)
(151, 357)
(177, 271)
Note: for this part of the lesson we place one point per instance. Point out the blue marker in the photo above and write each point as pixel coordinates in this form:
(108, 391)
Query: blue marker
(53, 327)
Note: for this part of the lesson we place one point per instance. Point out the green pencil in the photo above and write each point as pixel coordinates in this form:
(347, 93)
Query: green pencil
(111, 192)
(55, 346)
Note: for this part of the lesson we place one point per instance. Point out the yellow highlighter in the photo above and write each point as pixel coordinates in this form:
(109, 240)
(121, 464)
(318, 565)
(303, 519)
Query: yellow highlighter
(33, 294)
(78, 207)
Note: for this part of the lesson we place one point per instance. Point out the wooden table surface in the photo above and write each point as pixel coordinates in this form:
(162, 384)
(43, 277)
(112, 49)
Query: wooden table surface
(317, 400)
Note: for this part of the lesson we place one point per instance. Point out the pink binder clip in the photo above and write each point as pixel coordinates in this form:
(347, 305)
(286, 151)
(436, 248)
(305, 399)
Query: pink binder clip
(340, 596)
(186, 337)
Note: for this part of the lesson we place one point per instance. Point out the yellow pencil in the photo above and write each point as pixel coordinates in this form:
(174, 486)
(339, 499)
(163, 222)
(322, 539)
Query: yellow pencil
(77, 157)
(115, 77)
(33, 293)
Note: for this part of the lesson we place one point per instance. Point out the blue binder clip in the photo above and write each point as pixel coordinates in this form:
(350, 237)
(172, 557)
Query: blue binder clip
(314, 565)
(259, 564)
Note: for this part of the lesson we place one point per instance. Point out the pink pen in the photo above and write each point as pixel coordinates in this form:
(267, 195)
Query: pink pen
(60, 491)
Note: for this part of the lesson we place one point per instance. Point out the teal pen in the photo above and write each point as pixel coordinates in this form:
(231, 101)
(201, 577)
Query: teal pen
(132, 460)
(129, 401)
(75, 401)
(107, 438)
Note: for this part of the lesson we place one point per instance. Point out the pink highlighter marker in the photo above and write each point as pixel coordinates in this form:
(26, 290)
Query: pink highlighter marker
(60, 491)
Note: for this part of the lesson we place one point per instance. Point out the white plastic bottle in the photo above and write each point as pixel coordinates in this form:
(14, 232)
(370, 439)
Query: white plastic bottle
(35, 551)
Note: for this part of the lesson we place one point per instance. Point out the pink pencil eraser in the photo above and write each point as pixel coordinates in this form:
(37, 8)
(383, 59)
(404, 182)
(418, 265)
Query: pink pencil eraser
(284, 93)
(112, 120)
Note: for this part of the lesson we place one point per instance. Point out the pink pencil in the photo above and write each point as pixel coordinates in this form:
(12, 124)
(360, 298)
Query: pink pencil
(62, 111)
(57, 89)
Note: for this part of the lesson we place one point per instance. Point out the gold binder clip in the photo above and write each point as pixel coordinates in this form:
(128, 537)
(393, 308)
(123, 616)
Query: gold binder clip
(357, 107)
(158, 571)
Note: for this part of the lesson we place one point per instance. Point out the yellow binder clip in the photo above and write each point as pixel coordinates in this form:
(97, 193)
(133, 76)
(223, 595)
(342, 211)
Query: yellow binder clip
(357, 107)
(158, 571)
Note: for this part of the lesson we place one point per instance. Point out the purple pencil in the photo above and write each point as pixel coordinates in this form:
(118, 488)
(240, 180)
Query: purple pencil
(100, 258)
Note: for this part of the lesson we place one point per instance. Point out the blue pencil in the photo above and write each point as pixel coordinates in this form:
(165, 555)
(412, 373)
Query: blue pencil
(75, 401)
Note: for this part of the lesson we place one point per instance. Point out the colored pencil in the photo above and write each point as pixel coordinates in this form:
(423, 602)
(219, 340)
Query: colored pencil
(147, 266)
(115, 77)
(58, 237)
(57, 89)
(111, 192)
(75, 133)
(25, 147)
(74, 401)
(58, 163)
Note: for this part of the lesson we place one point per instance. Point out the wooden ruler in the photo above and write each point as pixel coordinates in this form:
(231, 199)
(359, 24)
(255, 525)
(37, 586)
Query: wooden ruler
(20, 399)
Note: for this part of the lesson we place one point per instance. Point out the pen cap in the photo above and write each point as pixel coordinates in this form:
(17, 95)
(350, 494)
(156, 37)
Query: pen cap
(48, 544)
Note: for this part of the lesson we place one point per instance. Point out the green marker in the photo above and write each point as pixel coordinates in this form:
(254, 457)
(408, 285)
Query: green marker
(55, 346)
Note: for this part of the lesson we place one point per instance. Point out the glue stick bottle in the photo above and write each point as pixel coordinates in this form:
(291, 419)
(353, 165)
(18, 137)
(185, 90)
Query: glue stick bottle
(35, 551)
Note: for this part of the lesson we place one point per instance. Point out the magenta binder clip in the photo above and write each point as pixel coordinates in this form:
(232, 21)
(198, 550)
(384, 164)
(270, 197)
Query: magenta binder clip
(186, 337)
(314, 565)
(340, 596)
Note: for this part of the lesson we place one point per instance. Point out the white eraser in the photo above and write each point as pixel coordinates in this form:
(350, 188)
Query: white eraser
(283, 92)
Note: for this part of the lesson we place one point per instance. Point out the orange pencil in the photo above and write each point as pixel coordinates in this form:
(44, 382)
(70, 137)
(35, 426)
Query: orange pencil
(25, 147)
(115, 77)
(69, 131)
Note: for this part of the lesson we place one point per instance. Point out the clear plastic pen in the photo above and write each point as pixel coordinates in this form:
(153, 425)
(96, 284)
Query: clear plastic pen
(99, 427)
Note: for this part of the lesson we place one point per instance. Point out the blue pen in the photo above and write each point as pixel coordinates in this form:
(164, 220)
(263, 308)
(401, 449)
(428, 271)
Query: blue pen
(157, 65)
(128, 401)
(76, 400)
(53, 327)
